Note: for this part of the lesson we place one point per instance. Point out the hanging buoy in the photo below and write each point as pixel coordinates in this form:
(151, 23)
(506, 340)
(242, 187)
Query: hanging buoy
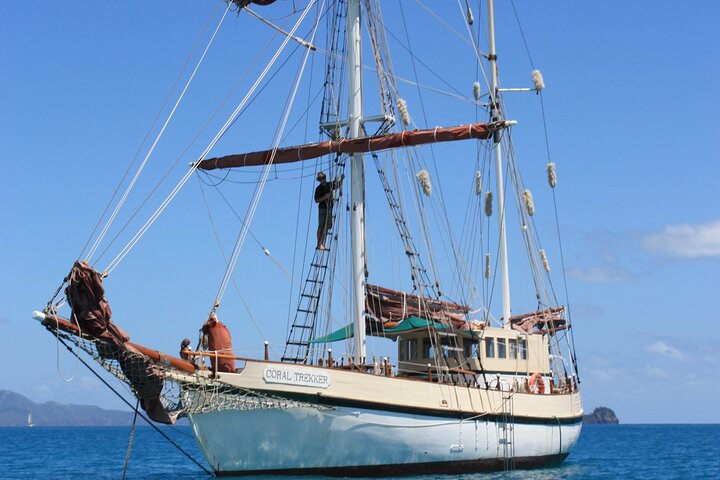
(487, 265)
(552, 176)
(478, 183)
(470, 17)
(476, 90)
(402, 108)
(529, 204)
(424, 179)
(488, 204)
(536, 384)
(538, 80)
(546, 264)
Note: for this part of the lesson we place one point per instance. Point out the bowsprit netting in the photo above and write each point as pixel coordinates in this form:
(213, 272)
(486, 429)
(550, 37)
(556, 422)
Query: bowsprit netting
(179, 393)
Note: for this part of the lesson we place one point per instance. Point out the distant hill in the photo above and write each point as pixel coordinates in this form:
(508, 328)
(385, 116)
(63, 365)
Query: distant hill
(14, 410)
(601, 415)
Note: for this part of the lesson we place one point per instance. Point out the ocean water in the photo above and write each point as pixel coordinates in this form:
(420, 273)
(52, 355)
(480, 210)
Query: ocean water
(603, 452)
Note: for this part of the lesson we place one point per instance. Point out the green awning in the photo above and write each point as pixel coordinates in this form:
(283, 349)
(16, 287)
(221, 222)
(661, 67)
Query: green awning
(413, 323)
(348, 331)
(410, 323)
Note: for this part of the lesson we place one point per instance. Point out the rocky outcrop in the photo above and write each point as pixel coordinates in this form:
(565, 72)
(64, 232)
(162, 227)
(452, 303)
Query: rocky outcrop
(602, 416)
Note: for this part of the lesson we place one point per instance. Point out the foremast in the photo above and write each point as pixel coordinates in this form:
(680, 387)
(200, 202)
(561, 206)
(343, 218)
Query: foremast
(497, 153)
(357, 178)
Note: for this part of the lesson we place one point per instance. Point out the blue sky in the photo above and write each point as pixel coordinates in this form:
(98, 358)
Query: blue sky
(631, 103)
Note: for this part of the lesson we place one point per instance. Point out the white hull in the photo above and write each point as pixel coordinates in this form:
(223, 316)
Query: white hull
(347, 438)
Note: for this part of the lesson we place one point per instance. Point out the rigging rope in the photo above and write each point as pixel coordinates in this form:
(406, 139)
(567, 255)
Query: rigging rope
(476, 50)
(301, 192)
(190, 143)
(130, 440)
(157, 139)
(157, 429)
(440, 205)
(222, 252)
(147, 134)
(557, 221)
(217, 137)
(260, 187)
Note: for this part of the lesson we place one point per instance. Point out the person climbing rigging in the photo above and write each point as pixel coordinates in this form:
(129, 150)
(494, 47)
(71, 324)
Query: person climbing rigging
(324, 199)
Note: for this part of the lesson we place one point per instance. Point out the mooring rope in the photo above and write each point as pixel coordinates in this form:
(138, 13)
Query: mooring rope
(130, 441)
(170, 440)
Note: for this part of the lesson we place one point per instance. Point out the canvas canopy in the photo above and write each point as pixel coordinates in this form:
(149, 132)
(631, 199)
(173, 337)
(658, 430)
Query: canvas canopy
(410, 323)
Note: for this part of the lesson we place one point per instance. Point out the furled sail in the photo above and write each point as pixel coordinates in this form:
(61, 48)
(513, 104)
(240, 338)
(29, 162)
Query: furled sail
(406, 138)
(389, 305)
(542, 321)
(92, 315)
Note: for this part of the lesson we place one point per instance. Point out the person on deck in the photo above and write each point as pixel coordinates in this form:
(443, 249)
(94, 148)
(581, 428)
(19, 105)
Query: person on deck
(324, 199)
(184, 351)
(216, 339)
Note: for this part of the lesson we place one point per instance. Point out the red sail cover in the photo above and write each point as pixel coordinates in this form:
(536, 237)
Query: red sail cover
(219, 340)
(407, 138)
(92, 313)
(90, 310)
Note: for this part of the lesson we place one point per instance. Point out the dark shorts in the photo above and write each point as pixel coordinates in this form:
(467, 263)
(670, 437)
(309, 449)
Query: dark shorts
(324, 218)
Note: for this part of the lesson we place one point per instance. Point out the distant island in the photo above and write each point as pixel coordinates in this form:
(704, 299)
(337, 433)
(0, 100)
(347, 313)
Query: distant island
(18, 411)
(601, 416)
(15, 410)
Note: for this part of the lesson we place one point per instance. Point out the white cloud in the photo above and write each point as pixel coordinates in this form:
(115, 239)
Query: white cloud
(664, 349)
(685, 240)
(606, 274)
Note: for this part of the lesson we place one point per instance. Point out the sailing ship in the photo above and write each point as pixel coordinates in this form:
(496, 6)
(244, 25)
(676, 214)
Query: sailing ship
(423, 377)
(30, 423)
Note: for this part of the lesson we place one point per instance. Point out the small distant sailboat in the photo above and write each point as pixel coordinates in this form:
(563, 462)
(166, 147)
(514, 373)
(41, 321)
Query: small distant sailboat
(30, 420)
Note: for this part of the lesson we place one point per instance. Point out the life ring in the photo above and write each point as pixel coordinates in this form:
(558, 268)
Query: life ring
(536, 384)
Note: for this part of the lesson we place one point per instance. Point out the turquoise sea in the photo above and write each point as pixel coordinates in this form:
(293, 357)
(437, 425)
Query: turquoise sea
(604, 452)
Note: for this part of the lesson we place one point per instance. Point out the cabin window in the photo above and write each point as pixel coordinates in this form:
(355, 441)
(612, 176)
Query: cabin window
(468, 347)
(501, 348)
(522, 347)
(428, 349)
(490, 347)
(411, 349)
(512, 343)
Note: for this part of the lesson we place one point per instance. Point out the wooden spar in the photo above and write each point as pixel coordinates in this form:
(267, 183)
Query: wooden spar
(407, 138)
(211, 354)
(155, 355)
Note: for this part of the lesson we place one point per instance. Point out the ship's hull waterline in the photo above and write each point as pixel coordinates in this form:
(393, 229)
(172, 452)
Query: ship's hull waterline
(360, 435)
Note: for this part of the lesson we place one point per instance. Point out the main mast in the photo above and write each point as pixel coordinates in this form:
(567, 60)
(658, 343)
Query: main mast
(357, 178)
(497, 153)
